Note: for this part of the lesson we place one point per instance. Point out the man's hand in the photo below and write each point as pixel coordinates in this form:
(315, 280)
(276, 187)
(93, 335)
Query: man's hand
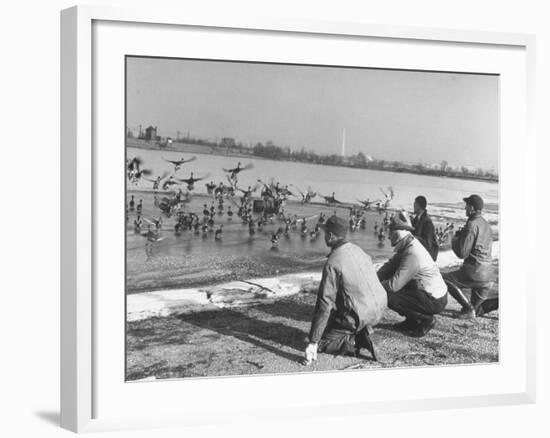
(311, 353)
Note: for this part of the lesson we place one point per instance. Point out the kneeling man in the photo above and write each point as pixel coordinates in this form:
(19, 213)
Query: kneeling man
(415, 287)
(474, 244)
(350, 299)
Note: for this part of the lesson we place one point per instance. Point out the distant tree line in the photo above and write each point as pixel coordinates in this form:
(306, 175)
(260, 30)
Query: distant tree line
(271, 151)
(360, 160)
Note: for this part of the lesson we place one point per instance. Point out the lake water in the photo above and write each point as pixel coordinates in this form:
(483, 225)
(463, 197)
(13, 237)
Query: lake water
(349, 184)
(189, 259)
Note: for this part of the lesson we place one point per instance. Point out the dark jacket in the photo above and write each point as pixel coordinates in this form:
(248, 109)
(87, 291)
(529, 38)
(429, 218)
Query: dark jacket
(424, 231)
(474, 244)
(349, 294)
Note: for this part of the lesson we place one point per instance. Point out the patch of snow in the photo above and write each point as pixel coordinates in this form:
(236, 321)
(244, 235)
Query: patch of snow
(242, 293)
(162, 303)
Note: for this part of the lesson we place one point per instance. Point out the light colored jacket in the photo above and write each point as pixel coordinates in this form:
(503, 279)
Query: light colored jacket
(412, 267)
(350, 292)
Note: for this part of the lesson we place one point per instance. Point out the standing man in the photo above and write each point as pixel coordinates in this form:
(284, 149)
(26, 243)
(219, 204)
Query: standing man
(424, 229)
(415, 287)
(474, 244)
(350, 299)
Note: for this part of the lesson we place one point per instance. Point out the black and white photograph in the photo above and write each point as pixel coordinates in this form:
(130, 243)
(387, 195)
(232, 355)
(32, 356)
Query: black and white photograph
(289, 218)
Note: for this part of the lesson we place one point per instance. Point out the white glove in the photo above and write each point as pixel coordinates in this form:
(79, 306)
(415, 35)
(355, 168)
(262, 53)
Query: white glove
(311, 353)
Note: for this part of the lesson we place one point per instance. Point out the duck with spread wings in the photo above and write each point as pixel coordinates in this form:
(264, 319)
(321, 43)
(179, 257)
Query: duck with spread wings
(366, 204)
(389, 196)
(236, 170)
(134, 170)
(178, 163)
(191, 181)
(307, 196)
(331, 199)
(156, 181)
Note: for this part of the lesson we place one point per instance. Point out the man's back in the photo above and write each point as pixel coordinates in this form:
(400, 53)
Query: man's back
(425, 232)
(474, 242)
(412, 268)
(359, 289)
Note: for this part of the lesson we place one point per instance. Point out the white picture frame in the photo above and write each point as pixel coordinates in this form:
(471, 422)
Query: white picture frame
(81, 366)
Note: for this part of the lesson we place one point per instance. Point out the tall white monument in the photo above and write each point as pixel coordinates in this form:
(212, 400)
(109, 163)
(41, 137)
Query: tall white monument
(344, 142)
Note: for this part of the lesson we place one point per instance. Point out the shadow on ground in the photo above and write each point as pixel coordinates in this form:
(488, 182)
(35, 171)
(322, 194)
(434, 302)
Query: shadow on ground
(270, 338)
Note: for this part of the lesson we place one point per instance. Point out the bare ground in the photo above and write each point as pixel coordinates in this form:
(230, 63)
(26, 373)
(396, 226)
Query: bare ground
(270, 338)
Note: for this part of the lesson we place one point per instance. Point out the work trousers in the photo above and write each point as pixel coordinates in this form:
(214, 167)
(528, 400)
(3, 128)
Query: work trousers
(484, 298)
(415, 304)
(339, 341)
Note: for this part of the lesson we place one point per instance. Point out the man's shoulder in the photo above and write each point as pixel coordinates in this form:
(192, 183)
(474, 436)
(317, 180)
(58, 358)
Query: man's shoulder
(477, 221)
(412, 245)
(484, 226)
(356, 249)
(345, 251)
(418, 252)
(414, 248)
(484, 221)
(470, 224)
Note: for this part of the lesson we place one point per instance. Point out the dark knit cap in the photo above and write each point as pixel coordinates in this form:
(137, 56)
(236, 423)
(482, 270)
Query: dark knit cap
(336, 225)
(475, 201)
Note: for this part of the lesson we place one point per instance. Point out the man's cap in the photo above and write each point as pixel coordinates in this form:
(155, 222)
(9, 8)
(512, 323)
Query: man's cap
(475, 201)
(401, 222)
(336, 225)
(421, 201)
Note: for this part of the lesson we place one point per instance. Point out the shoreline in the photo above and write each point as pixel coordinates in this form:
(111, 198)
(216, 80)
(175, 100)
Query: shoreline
(191, 262)
(241, 293)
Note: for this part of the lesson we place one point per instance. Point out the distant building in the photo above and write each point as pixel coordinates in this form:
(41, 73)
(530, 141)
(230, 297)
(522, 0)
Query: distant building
(163, 142)
(151, 133)
(358, 160)
(228, 142)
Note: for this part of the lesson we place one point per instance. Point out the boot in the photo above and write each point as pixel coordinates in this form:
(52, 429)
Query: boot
(423, 328)
(363, 340)
(405, 325)
(487, 306)
(467, 312)
(467, 309)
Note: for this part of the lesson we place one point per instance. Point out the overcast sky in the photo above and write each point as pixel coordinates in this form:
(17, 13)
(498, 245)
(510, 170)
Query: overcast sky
(391, 115)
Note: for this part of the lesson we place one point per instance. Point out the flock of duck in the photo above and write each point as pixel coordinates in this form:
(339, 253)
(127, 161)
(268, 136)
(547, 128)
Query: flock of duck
(230, 203)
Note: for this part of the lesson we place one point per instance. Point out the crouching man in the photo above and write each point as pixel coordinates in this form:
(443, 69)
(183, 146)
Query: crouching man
(350, 299)
(474, 244)
(415, 287)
